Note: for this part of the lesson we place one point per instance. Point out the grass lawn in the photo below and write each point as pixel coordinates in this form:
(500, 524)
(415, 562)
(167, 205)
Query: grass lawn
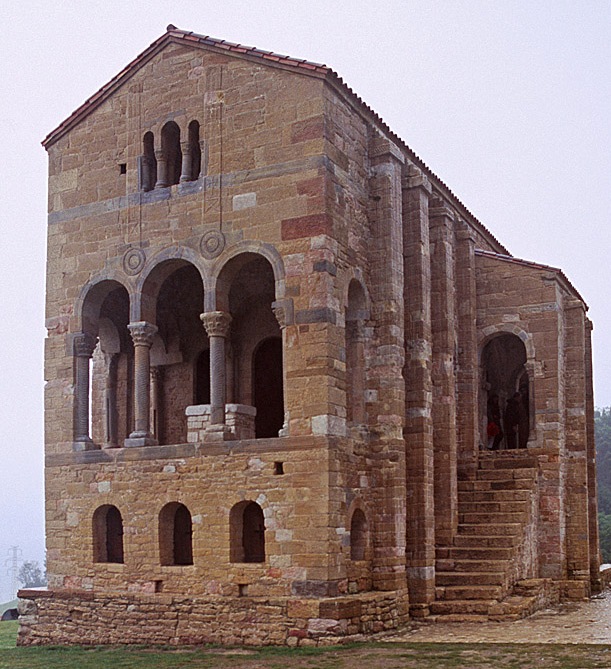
(370, 655)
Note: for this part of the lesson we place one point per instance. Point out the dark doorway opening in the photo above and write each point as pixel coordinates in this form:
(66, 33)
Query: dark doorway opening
(267, 386)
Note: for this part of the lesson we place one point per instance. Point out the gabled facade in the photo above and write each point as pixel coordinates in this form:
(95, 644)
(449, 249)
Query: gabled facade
(276, 341)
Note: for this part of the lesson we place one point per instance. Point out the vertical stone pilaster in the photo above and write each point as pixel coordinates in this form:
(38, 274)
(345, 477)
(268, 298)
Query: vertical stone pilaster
(420, 548)
(576, 484)
(595, 579)
(142, 335)
(217, 325)
(443, 326)
(386, 410)
(467, 376)
(84, 345)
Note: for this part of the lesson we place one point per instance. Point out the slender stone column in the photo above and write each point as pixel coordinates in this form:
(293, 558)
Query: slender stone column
(162, 169)
(217, 327)
(186, 167)
(110, 400)
(283, 311)
(142, 335)
(156, 392)
(84, 345)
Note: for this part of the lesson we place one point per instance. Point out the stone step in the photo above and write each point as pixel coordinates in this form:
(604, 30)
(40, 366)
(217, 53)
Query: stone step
(496, 506)
(491, 530)
(473, 496)
(470, 565)
(506, 474)
(486, 541)
(487, 485)
(492, 518)
(474, 553)
(470, 578)
(462, 606)
(461, 592)
(500, 462)
(459, 618)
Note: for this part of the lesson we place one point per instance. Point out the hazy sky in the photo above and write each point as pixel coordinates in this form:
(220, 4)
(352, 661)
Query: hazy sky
(508, 101)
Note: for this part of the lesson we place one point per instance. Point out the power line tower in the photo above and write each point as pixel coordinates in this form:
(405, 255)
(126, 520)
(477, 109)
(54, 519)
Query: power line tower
(13, 562)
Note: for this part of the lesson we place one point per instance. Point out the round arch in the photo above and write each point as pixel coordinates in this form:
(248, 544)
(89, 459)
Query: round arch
(89, 302)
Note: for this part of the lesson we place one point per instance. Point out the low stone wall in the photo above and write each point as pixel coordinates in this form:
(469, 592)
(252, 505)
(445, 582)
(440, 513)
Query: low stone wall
(82, 617)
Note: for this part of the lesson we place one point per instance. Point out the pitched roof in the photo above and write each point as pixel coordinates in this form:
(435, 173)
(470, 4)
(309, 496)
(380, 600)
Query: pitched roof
(174, 35)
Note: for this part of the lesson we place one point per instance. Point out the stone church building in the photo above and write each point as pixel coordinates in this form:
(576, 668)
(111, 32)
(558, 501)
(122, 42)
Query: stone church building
(296, 391)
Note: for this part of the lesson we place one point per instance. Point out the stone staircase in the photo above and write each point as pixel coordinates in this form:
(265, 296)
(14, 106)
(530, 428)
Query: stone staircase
(479, 577)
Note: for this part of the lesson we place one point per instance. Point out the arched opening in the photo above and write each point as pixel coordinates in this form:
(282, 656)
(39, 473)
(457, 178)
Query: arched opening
(105, 316)
(172, 299)
(175, 535)
(195, 150)
(107, 534)
(506, 423)
(149, 162)
(359, 536)
(355, 354)
(170, 145)
(267, 388)
(246, 289)
(247, 533)
(202, 378)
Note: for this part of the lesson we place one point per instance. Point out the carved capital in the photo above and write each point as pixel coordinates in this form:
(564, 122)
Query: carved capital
(159, 154)
(216, 323)
(84, 345)
(142, 333)
(185, 147)
(416, 178)
(283, 311)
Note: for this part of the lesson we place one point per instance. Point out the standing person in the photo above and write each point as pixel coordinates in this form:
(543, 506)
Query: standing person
(512, 419)
(495, 432)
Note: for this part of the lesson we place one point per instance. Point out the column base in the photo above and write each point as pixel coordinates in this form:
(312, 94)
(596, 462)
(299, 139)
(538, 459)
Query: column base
(218, 432)
(83, 444)
(139, 439)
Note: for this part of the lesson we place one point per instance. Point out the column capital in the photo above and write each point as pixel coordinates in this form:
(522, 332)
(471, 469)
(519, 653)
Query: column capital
(84, 344)
(416, 178)
(216, 323)
(283, 311)
(142, 333)
(159, 154)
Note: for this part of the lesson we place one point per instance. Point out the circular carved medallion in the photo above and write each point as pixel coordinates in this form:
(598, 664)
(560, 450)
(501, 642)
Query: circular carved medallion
(133, 261)
(212, 244)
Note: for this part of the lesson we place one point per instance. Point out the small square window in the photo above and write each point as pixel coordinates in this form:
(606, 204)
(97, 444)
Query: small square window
(278, 468)
(123, 168)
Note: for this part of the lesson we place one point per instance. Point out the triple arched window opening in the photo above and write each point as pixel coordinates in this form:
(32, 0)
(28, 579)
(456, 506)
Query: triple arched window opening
(173, 160)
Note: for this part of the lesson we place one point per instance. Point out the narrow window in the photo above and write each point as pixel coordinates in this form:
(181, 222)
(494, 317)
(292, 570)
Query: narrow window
(175, 535)
(107, 534)
(170, 145)
(195, 149)
(359, 533)
(149, 162)
(247, 533)
(268, 393)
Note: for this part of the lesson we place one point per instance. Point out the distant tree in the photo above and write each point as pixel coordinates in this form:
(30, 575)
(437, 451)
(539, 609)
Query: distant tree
(602, 435)
(31, 575)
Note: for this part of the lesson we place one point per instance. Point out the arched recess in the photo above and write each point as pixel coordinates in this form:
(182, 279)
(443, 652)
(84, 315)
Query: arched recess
(246, 289)
(246, 533)
(171, 152)
(107, 534)
(506, 406)
(175, 535)
(104, 315)
(355, 315)
(148, 165)
(195, 152)
(172, 297)
(359, 536)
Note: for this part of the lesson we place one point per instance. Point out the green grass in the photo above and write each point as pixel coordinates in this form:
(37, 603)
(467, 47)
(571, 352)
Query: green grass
(369, 655)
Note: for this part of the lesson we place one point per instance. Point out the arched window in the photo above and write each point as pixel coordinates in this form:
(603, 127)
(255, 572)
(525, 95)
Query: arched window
(359, 536)
(247, 533)
(149, 162)
(175, 535)
(170, 145)
(107, 534)
(195, 150)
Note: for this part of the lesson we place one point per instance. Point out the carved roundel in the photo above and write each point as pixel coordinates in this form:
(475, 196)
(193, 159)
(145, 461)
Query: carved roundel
(212, 244)
(133, 261)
